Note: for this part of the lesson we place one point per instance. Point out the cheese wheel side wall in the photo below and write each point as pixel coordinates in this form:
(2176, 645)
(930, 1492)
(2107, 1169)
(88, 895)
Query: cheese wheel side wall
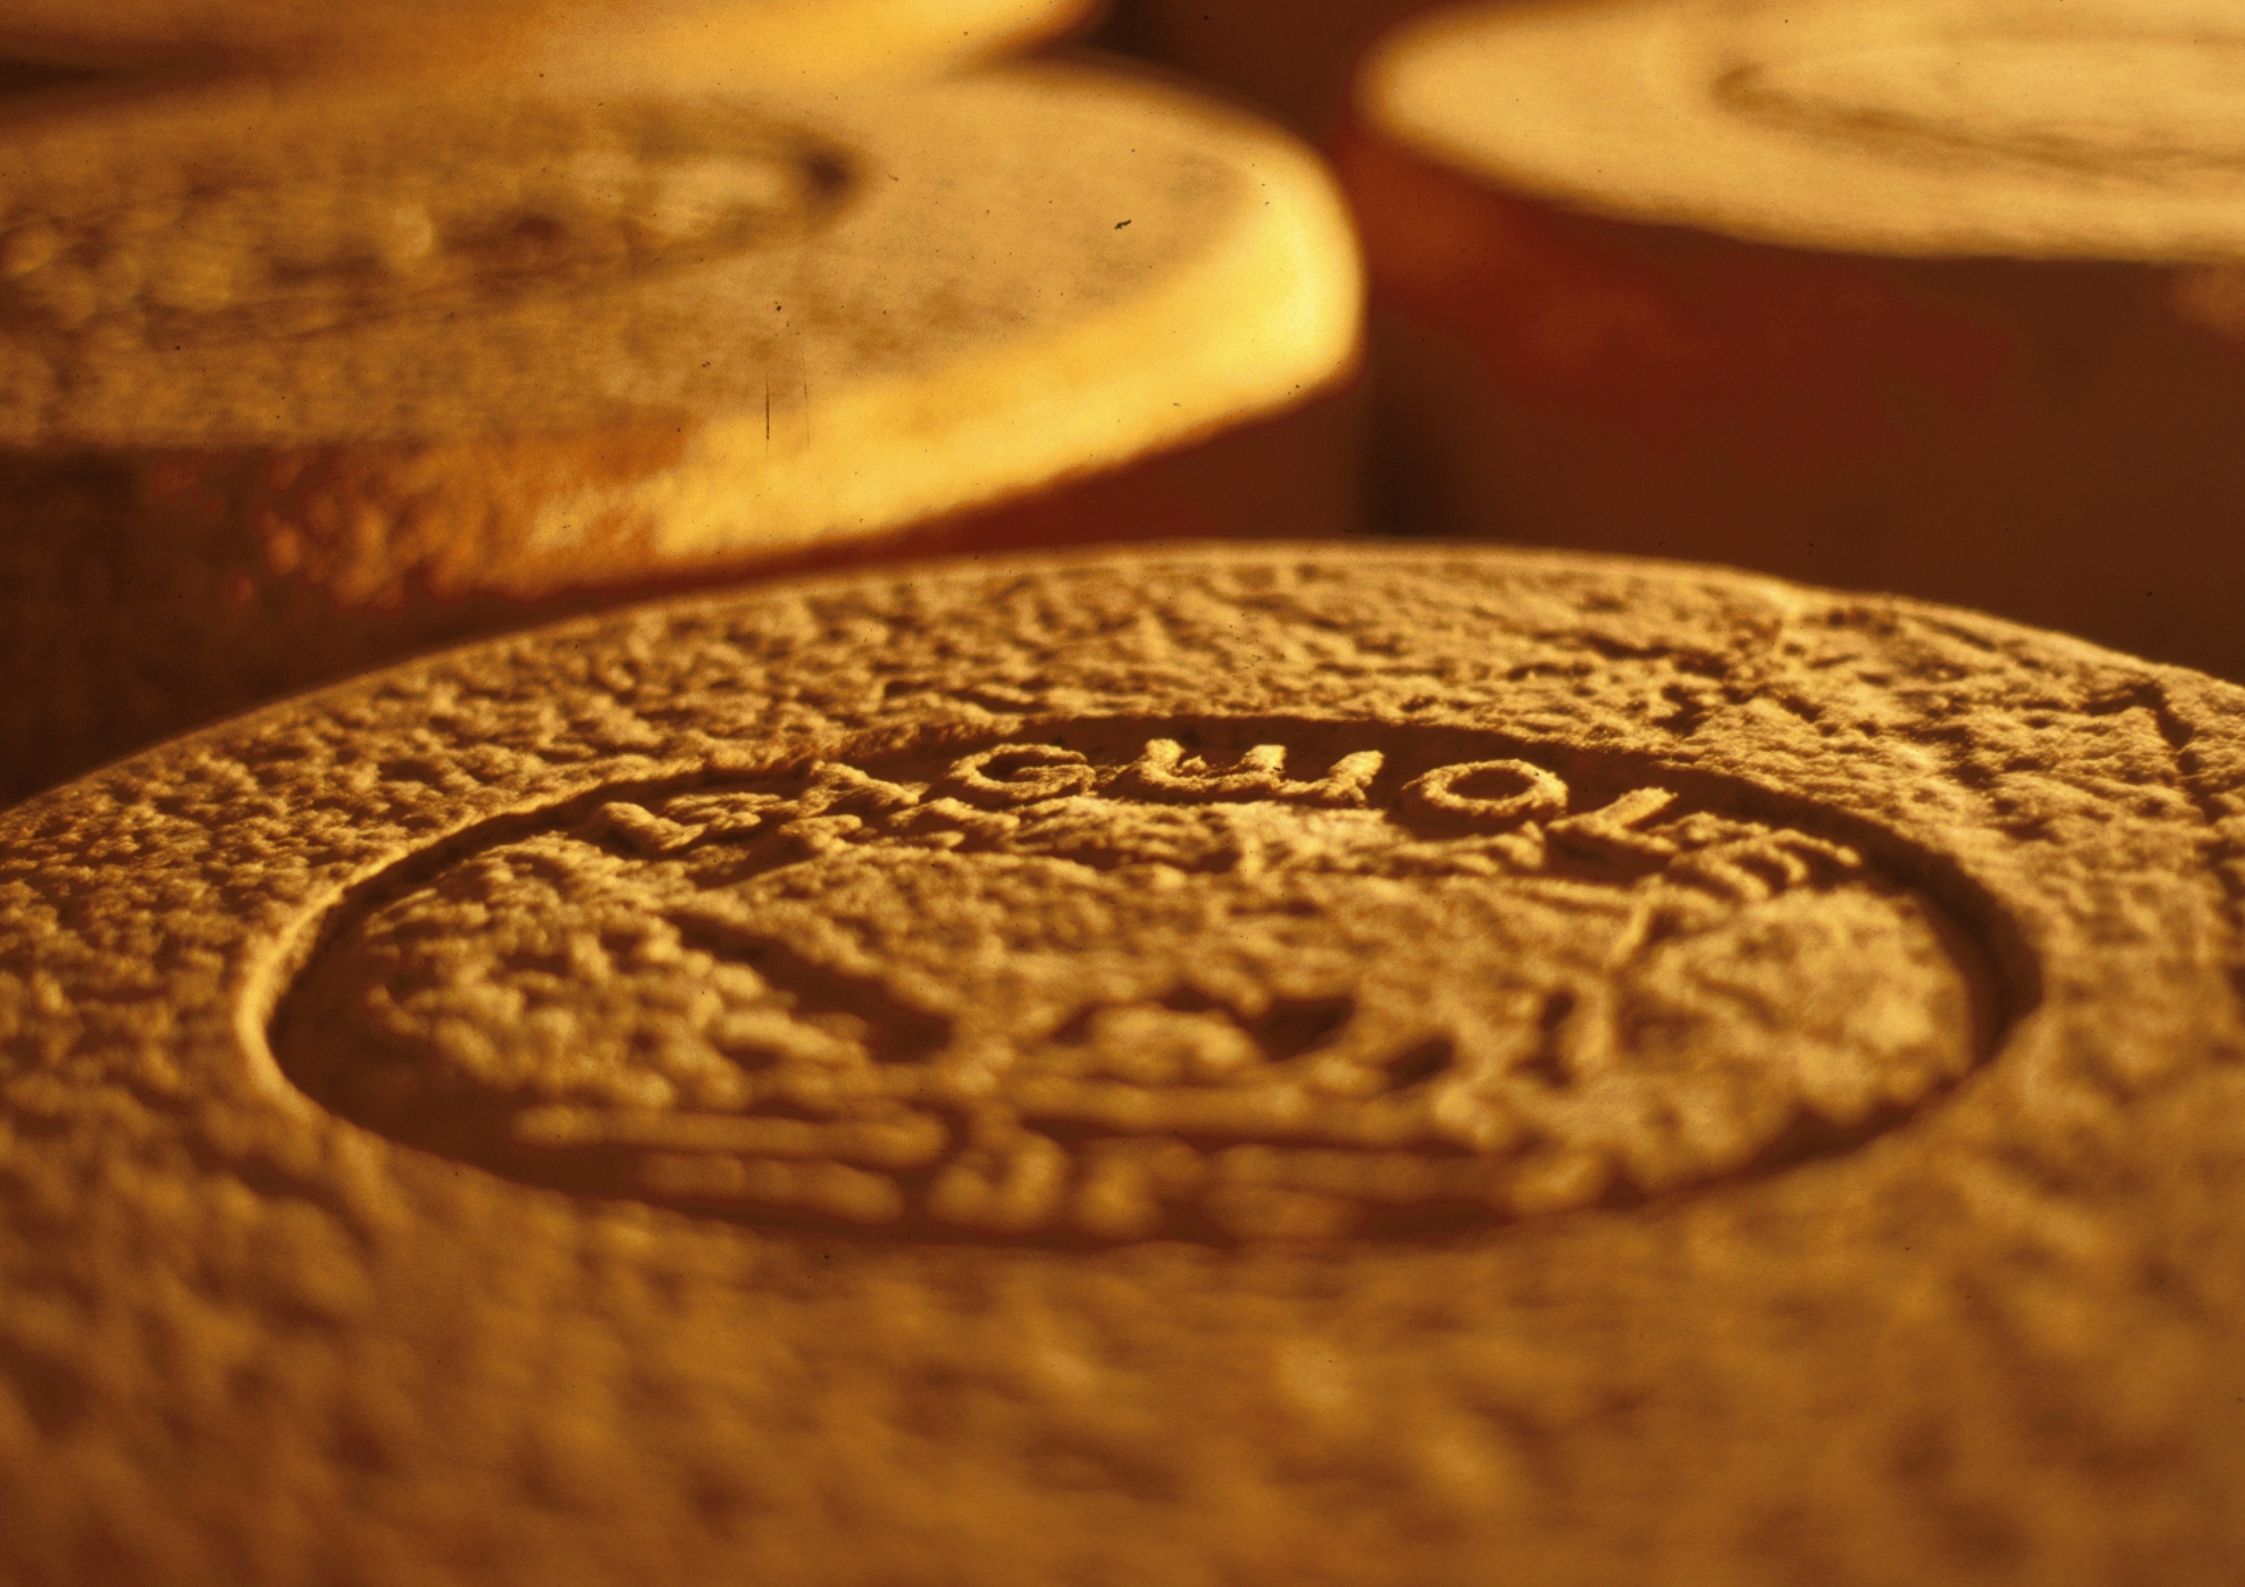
(2048, 440)
(154, 594)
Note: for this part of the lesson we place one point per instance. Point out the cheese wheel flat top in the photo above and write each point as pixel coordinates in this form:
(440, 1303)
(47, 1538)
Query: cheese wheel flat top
(2106, 129)
(770, 38)
(912, 298)
(1596, 1072)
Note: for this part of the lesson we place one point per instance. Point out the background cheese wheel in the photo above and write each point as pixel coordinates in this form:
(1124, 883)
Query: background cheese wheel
(1934, 297)
(668, 40)
(1603, 1073)
(292, 382)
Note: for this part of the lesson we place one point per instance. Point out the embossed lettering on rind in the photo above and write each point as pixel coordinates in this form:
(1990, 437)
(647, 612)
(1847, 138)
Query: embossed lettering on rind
(1493, 793)
(1120, 980)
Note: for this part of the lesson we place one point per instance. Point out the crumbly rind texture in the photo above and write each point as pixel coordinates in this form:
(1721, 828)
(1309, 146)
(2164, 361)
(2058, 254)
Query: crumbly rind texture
(248, 1341)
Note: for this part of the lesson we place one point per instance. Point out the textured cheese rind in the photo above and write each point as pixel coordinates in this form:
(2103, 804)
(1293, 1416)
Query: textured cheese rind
(248, 1343)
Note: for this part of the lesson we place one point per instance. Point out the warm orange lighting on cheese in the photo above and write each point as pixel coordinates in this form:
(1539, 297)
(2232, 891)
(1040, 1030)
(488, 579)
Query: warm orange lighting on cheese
(1932, 297)
(337, 373)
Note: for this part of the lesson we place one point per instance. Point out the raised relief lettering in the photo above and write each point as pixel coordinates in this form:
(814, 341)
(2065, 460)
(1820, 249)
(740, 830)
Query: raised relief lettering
(1495, 795)
(1618, 830)
(1166, 770)
(1296, 981)
(1016, 774)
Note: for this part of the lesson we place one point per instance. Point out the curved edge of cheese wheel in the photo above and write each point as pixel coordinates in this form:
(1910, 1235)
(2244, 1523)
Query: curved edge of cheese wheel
(1967, 430)
(1271, 316)
(815, 40)
(1241, 297)
(1268, 318)
(1618, 108)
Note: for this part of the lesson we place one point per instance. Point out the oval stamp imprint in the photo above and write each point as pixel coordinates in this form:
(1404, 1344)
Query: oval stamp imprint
(1116, 980)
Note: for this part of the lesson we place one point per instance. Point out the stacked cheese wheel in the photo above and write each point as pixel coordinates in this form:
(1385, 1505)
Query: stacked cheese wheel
(1945, 296)
(293, 380)
(1601, 1073)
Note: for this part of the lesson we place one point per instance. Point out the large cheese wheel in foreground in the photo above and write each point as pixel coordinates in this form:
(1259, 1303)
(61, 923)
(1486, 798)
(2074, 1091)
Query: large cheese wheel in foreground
(1943, 298)
(1253, 1066)
(697, 39)
(288, 384)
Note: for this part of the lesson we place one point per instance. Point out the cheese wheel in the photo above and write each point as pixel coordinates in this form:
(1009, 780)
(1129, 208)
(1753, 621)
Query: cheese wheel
(293, 382)
(670, 40)
(1939, 296)
(1601, 1072)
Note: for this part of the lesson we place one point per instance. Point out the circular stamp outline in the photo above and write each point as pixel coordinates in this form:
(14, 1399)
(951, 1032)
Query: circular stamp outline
(1989, 950)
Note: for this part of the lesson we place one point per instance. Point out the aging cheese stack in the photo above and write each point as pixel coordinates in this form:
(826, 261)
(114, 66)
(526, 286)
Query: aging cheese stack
(290, 383)
(1942, 296)
(701, 40)
(1601, 1073)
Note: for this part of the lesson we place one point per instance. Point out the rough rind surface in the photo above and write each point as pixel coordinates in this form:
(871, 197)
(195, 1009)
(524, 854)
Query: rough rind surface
(1090, 980)
(249, 1341)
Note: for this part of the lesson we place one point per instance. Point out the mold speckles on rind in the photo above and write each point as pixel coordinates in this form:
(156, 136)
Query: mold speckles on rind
(1111, 980)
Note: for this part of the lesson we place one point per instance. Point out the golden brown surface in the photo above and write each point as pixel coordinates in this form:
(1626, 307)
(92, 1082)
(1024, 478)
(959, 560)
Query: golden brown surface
(1933, 297)
(291, 383)
(1283, 1066)
(707, 40)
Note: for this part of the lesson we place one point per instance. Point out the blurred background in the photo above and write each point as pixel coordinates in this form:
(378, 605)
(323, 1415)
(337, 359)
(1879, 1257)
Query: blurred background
(332, 333)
